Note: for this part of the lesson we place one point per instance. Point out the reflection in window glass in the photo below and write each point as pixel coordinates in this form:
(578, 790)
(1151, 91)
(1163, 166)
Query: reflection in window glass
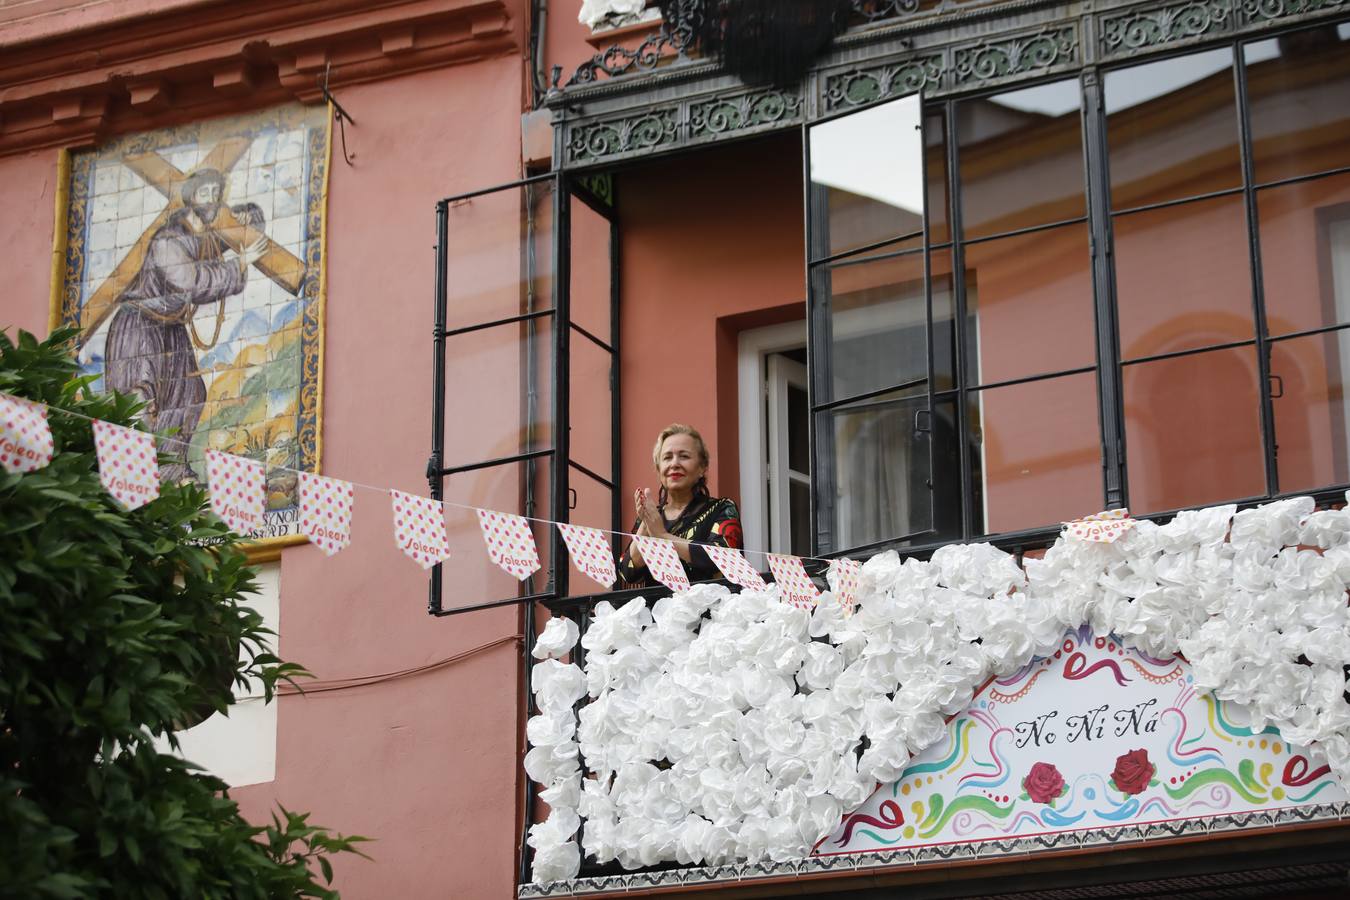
(935, 138)
(1021, 159)
(512, 412)
(1172, 129)
(1039, 459)
(1029, 302)
(1298, 86)
(1311, 426)
(500, 255)
(881, 469)
(1182, 279)
(869, 165)
(878, 325)
(1305, 253)
(1193, 430)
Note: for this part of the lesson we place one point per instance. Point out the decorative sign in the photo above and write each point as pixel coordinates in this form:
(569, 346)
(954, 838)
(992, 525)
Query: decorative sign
(590, 553)
(731, 563)
(419, 528)
(1102, 528)
(326, 511)
(793, 582)
(509, 543)
(127, 464)
(846, 573)
(25, 436)
(237, 485)
(662, 561)
(1094, 737)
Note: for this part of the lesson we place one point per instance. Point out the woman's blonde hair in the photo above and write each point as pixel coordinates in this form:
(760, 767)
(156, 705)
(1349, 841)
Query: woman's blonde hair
(701, 488)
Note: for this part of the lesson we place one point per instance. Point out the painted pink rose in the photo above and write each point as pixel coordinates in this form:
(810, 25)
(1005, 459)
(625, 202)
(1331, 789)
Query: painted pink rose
(1133, 772)
(1043, 783)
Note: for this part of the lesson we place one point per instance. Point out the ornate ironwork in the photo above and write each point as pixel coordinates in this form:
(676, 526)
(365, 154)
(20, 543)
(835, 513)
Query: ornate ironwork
(726, 114)
(878, 10)
(644, 130)
(858, 87)
(1138, 29)
(670, 41)
(1273, 10)
(994, 60)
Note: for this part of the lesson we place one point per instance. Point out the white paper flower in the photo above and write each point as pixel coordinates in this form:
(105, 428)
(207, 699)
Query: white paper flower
(559, 636)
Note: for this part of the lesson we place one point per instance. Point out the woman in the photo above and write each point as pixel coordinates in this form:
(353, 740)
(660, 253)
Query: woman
(683, 511)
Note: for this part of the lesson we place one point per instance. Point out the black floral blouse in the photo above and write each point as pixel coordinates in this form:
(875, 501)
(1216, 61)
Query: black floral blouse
(706, 520)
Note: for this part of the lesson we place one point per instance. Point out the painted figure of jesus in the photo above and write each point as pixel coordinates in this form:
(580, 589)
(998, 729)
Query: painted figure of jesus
(150, 345)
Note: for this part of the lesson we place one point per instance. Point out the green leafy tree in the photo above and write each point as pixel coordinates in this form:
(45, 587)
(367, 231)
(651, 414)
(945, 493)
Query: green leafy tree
(115, 628)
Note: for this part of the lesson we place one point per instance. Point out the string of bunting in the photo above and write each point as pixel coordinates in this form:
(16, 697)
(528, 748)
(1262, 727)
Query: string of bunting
(236, 485)
(129, 471)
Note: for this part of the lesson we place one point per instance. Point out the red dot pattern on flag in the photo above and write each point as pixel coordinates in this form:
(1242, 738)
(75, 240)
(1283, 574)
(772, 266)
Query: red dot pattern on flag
(847, 573)
(25, 435)
(326, 511)
(238, 490)
(127, 465)
(510, 543)
(590, 553)
(419, 528)
(794, 585)
(662, 561)
(732, 563)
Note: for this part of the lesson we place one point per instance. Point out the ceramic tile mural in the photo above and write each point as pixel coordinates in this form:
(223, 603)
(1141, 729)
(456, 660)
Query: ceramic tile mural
(194, 270)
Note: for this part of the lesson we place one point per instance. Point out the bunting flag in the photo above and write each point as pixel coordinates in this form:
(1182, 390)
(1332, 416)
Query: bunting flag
(419, 528)
(846, 574)
(510, 543)
(127, 463)
(793, 583)
(25, 435)
(590, 553)
(731, 563)
(662, 561)
(1102, 528)
(238, 490)
(326, 511)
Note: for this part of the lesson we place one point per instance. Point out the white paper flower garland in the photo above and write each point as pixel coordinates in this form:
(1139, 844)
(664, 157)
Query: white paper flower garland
(749, 733)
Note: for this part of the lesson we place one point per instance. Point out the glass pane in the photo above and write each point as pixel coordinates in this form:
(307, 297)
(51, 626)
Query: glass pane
(500, 255)
(1193, 430)
(591, 411)
(947, 472)
(511, 410)
(1021, 159)
(591, 505)
(881, 470)
(1172, 129)
(1297, 89)
(935, 139)
(944, 317)
(1182, 278)
(799, 428)
(590, 270)
(878, 325)
(1039, 452)
(1312, 431)
(869, 166)
(1305, 253)
(799, 502)
(522, 489)
(1029, 298)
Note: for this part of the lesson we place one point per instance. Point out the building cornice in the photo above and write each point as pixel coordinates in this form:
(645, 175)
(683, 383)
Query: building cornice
(71, 86)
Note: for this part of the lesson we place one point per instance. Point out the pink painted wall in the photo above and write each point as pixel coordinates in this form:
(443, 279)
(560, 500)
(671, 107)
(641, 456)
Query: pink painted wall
(427, 765)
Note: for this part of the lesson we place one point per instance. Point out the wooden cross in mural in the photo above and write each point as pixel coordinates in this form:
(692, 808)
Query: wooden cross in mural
(277, 263)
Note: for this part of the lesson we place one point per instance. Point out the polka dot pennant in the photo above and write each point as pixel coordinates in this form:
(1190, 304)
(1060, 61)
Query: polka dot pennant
(127, 464)
(794, 585)
(844, 576)
(419, 528)
(662, 561)
(509, 543)
(1102, 528)
(238, 490)
(731, 563)
(326, 511)
(590, 553)
(25, 435)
